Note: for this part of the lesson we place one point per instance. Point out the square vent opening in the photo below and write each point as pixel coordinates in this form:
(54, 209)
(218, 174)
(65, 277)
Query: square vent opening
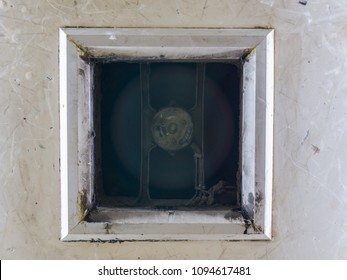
(169, 133)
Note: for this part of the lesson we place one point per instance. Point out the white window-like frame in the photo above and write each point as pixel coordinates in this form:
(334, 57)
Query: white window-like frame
(255, 47)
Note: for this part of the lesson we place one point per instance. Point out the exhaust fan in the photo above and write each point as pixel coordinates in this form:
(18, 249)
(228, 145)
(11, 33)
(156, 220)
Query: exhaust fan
(166, 133)
(169, 133)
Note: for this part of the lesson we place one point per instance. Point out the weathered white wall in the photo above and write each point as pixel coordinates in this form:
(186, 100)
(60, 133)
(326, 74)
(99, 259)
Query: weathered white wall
(310, 161)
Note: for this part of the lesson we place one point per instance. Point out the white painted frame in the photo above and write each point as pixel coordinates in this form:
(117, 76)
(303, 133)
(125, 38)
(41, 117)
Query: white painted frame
(254, 46)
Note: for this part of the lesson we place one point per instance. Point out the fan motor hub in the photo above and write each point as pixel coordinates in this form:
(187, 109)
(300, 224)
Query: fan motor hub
(172, 128)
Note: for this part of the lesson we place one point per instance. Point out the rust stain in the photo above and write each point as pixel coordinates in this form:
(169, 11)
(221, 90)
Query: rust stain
(85, 53)
(82, 204)
(248, 53)
(263, 27)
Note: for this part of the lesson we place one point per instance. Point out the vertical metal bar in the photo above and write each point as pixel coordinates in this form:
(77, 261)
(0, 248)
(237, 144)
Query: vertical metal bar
(199, 127)
(146, 142)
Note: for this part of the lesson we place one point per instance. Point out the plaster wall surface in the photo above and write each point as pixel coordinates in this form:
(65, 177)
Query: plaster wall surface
(310, 133)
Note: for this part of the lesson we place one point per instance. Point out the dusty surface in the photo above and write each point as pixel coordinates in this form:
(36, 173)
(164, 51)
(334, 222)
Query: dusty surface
(310, 162)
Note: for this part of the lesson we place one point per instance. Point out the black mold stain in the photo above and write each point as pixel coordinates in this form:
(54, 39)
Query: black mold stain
(248, 210)
(258, 197)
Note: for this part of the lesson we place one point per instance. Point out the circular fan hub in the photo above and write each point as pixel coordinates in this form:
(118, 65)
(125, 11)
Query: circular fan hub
(172, 129)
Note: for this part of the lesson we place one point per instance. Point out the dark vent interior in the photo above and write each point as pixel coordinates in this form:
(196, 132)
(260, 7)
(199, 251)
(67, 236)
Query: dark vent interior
(167, 133)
